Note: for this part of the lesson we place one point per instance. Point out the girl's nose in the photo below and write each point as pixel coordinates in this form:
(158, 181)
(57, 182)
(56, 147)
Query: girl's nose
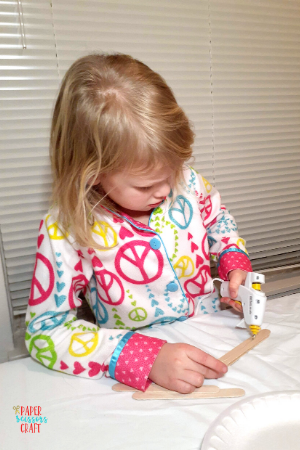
(162, 191)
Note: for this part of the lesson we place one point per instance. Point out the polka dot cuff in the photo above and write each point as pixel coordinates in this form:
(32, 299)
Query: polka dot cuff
(136, 360)
(233, 260)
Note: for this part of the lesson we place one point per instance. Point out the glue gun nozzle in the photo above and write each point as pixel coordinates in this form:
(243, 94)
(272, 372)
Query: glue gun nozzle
(254, 329)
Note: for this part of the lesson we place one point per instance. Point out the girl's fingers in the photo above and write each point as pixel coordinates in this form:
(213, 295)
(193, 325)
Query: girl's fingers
(183, 387)
(232, 303)
(193, 378)
(234, 285)
(204, 371)
(204, 359)
(236, 278)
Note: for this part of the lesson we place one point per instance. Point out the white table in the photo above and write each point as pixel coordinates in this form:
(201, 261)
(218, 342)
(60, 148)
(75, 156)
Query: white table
(87, 414)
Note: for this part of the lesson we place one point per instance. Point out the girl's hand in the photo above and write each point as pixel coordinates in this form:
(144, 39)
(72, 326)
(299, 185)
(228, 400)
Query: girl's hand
(183, 368)
(236, 278)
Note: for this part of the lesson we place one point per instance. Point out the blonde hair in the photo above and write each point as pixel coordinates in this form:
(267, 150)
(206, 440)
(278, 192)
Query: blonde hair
(112, 113)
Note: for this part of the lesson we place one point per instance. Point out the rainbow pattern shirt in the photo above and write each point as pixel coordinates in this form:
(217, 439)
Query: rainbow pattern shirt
(144, 275)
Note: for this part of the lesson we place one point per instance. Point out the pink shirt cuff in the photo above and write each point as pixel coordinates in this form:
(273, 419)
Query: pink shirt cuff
(136, 360)
(233, 260)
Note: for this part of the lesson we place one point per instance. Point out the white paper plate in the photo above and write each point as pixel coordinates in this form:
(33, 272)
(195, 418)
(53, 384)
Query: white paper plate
(262, 422)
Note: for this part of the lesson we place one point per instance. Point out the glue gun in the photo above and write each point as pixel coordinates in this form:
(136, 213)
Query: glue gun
(252, 299)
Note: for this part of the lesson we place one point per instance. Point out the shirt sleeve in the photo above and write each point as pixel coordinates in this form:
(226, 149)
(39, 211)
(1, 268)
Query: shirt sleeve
(226, 247)
(55, 337)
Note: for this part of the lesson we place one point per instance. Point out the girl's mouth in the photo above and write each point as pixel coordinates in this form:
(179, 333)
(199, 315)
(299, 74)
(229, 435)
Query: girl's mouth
(158, 203)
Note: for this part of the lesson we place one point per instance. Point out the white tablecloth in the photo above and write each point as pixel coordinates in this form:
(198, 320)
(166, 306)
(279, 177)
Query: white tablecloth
(87, 414)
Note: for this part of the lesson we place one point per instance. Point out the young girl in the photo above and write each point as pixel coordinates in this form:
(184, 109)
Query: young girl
(131, 229)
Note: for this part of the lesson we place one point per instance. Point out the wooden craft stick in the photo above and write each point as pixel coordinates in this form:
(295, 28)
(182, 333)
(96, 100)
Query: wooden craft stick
(234, 354)
(119, 387)
(171, 395)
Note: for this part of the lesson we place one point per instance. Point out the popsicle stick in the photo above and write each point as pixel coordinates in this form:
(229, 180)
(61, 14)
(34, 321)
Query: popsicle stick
(233, 355)
(171, 395)
(119, 387)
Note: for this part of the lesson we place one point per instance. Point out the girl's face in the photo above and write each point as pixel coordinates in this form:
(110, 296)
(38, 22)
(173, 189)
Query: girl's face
(138, 193)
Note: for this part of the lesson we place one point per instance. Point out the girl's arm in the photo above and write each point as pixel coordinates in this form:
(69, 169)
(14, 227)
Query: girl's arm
(57, 339)
(226, 247)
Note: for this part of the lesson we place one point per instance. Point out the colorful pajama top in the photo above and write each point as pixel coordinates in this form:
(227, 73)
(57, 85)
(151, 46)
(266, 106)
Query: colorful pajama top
(144, 275)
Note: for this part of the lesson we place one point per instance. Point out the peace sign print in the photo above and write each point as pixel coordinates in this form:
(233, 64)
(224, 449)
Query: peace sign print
(54, 231)
(100, 311)
(48, 323)
(181, 212)
(78, 284)
(138, 263)
(185, 267)
(207, 207)
(138, 314)
(110, 288)
(207, 185)
(42, 348)
(242, 244)
(82, 344)
(205, 246)
(196, 286)
(191, 305)
(107, 234)
(43, 283)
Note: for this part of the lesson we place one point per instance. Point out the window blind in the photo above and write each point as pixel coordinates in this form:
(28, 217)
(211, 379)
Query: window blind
(29, 82)
(255, 48)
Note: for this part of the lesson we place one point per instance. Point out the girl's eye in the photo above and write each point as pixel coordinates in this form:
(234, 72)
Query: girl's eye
(144, 188)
